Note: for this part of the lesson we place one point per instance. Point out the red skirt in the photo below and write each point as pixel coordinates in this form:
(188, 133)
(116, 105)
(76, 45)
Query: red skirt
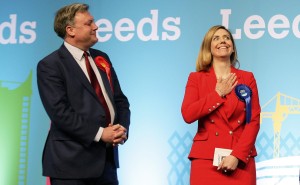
(204, 173)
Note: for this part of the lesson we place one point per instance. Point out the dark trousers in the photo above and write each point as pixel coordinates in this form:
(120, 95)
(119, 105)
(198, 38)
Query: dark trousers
(108, 177)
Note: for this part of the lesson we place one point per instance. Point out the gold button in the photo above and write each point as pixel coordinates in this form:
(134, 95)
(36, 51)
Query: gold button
(247, 159)
(230, 132)
(209, 110)
(212, 121)
(214, 107)
(217, 133)
(239, 121)
(218, 104)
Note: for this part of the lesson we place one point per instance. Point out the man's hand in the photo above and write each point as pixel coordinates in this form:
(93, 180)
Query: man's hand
(114, 134)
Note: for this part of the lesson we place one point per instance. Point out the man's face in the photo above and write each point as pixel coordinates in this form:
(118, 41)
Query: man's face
(84, 30)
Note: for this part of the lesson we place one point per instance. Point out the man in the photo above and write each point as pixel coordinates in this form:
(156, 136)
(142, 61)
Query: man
(89, 113)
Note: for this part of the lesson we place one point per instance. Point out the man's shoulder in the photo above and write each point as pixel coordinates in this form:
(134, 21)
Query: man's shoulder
(55, 54)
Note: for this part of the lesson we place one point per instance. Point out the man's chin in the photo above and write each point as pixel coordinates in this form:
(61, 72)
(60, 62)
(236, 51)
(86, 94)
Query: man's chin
(94, 41)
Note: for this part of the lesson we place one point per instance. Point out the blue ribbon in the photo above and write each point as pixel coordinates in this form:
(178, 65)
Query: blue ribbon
(244, 93)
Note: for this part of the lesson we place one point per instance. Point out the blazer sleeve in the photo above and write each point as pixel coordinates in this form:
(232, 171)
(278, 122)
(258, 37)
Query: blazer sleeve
(198, 101)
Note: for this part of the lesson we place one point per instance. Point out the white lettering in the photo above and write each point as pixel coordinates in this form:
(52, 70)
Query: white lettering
(104, 27)
(153, 27)
(272, 25)
(296, 30)
(255, 26)
(254, 22)
(171, 28)
(11, 26)
(121, 28)
(146, 29)
(8, 31)
(26, 31)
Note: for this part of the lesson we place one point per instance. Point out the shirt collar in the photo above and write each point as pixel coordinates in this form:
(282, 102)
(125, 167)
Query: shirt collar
(75, 52)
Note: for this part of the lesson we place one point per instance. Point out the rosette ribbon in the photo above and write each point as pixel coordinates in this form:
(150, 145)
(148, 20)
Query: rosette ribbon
(104, 65)
(244, 93)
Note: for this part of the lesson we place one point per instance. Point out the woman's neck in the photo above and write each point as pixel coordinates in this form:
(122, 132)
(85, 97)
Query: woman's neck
(222, 68)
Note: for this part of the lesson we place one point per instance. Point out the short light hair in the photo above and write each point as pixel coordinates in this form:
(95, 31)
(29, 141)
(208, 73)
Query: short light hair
(65, 17)
(204, 60)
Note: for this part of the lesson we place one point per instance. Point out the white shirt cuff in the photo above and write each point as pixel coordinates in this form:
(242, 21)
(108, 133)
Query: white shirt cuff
(99, 134)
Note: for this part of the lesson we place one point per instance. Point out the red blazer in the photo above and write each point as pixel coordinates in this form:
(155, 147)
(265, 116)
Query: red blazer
(221, 121)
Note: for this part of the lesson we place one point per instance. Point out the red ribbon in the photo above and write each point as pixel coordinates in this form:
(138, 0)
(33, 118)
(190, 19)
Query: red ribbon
(102, 63)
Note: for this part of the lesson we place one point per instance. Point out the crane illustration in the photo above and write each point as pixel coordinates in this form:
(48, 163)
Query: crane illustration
(284, 106)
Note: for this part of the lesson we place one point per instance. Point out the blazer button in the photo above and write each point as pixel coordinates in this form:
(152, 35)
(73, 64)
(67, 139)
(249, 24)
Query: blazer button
(209, 110)
(230, 132)
(212, 121)
(239, 121)
(217, 133)
(218, 104)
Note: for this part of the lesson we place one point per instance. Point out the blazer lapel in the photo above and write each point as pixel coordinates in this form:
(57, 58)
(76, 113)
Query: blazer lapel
(232, 99)
(212, 80)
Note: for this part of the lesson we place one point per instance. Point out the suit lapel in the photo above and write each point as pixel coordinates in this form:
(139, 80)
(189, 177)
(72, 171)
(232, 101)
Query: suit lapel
(71, 63)
(104, 79)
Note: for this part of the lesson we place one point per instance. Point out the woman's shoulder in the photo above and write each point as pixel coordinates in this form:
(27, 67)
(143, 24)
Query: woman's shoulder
(199, 73)
(244, 72)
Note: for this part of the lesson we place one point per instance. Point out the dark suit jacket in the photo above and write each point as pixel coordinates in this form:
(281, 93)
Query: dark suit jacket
(76, 115)
(221, 121)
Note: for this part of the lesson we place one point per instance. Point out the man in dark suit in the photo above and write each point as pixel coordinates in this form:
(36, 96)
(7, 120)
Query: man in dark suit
(81, 94)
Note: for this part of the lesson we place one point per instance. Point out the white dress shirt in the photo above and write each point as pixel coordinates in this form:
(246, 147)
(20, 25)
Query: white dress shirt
(78, 56)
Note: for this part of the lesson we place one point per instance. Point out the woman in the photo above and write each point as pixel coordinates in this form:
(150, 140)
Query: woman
(224, 100)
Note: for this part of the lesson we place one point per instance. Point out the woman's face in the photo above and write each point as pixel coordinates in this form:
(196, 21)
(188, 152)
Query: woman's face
(221, 45)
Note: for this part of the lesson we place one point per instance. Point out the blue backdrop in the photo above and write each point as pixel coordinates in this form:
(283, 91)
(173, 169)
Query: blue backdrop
(153, 46)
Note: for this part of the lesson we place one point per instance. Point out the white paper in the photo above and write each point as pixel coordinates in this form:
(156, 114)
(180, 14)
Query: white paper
(219, 154)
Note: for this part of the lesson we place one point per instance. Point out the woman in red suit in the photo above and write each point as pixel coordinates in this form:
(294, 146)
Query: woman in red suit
(224, 100)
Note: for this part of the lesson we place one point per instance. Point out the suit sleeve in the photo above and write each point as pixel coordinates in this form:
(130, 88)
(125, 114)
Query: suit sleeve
(66, 122)
(244, 148)
(122, 104)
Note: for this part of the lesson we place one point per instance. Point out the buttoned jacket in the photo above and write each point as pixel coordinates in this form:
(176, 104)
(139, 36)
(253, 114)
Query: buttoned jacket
(76, 115)
(221, 120)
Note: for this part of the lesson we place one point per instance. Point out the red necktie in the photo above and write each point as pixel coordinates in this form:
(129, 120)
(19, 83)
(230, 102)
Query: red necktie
(96, 86)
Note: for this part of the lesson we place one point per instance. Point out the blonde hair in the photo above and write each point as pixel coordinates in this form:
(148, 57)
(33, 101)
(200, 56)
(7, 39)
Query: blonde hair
(65, 17)
(204, 60)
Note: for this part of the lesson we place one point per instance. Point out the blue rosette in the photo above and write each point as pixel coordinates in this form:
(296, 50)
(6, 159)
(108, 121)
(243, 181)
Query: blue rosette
(244, 94)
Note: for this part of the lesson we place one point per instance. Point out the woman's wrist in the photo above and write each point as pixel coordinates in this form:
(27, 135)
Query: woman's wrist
(220, 93)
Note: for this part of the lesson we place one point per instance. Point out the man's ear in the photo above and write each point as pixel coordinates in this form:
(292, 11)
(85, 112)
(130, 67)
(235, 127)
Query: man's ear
(70, 31)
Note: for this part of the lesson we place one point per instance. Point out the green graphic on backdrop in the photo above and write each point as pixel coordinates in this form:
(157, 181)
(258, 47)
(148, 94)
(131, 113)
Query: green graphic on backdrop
(15, 101)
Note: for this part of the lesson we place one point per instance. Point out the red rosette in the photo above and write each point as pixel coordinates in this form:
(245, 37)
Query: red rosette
(104, 65)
